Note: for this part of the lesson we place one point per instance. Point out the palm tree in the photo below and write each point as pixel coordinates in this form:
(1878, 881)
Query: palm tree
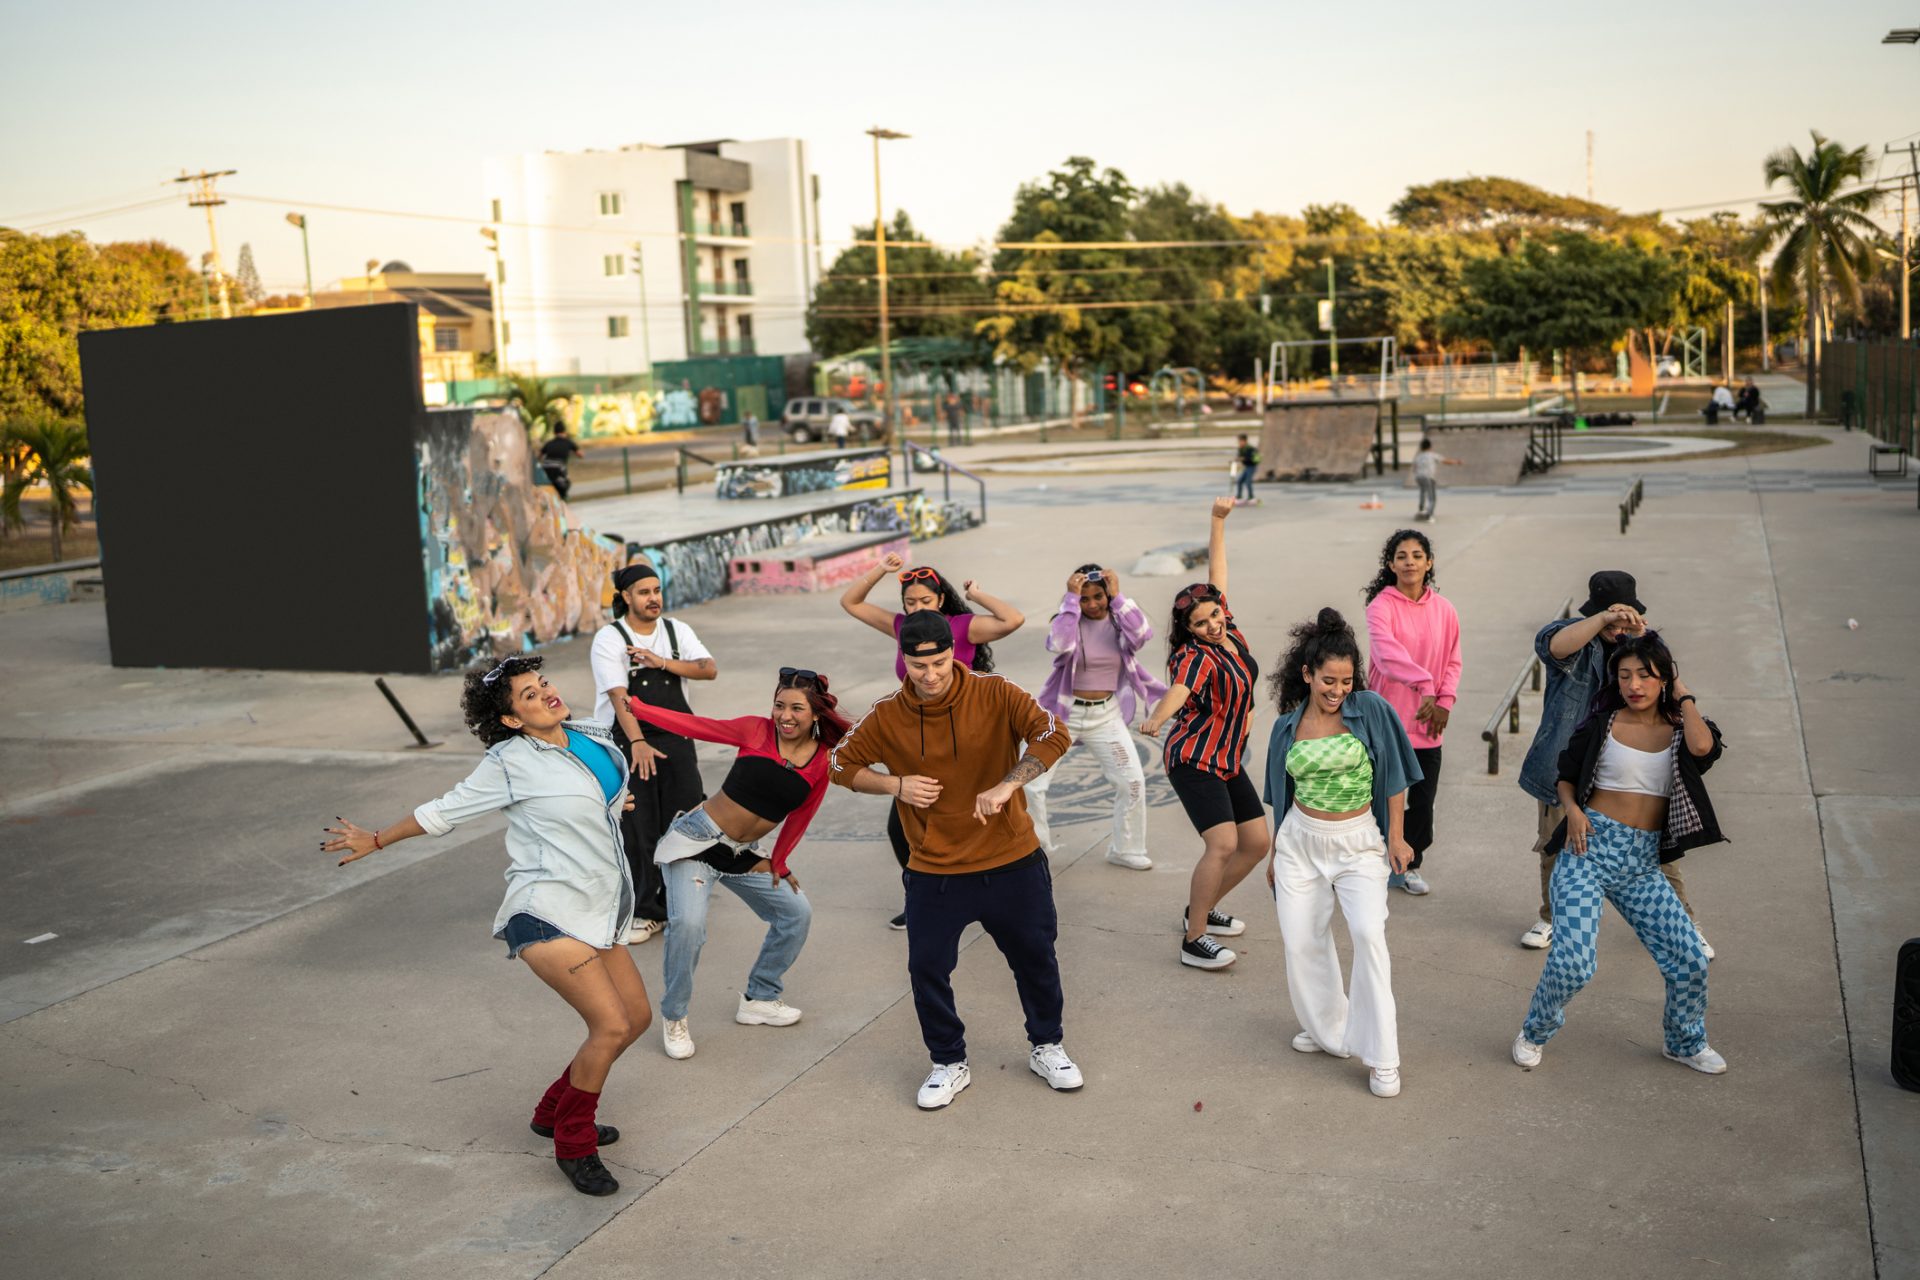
(534, 397)
(56, 457)
(1822, 231)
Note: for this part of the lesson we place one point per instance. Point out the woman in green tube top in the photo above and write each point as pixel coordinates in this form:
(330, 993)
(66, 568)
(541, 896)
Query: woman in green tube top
(1338, 768)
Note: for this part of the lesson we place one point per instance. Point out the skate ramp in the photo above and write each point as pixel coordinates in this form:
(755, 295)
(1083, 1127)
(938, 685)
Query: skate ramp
(1326, 439)
(1492, 453)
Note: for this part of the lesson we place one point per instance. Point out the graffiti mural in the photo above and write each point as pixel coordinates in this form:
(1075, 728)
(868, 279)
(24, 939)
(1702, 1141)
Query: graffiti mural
(796, 570)
(506, 566)
(693, 570)
(820, 473)
(626, 413)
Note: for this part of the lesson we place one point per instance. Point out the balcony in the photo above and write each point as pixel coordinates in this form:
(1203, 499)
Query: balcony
(728, 289)
(731, 347)
(721, 230)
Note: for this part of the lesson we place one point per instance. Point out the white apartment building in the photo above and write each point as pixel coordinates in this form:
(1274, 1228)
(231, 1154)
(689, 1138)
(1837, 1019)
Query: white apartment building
(610, 261)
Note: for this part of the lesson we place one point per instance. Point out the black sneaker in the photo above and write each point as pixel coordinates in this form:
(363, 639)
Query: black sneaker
(588, 1176)
(1204, 953)
(608, 1135)
(898, 922)
(1219, 923)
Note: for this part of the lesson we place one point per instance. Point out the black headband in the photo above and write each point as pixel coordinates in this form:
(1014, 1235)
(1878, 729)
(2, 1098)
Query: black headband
(624, 578)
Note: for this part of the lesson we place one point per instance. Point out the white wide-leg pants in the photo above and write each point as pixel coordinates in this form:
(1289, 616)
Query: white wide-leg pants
(1315, 863)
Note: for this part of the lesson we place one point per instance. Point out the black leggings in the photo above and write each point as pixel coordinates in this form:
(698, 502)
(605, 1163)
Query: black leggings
(897, 834)
(1417, 826)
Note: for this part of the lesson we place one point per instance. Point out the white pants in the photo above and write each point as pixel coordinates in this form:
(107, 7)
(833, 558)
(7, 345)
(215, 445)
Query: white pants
(1315, 862)
(1103, 731)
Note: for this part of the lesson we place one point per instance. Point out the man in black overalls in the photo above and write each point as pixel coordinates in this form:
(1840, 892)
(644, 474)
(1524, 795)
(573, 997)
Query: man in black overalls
(656, 654)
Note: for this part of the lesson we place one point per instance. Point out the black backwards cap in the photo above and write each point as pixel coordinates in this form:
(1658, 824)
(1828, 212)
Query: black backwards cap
(624, 578)
(925, 632)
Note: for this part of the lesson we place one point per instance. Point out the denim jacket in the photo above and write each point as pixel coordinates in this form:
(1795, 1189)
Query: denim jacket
(1368, 717)
(1571, 686)
(566, 863)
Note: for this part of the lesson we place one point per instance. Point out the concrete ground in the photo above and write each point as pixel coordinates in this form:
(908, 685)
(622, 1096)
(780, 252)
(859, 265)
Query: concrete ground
(235, 1059)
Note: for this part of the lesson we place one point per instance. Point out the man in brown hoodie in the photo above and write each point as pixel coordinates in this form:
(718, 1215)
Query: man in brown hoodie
(958, 747)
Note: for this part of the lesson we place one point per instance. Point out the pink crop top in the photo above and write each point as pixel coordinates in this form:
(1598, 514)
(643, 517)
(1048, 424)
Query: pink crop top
(1099, 664)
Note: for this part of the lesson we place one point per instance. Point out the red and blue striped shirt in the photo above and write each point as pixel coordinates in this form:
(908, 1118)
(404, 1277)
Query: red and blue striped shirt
(1210, 731)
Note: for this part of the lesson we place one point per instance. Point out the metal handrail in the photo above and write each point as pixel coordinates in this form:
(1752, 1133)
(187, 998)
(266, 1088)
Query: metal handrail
(1510, 702)
(908, 448)
(680, 467)
(1630, 500)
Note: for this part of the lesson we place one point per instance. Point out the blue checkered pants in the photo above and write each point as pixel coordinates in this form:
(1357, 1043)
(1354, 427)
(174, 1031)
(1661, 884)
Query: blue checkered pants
(1621, 865)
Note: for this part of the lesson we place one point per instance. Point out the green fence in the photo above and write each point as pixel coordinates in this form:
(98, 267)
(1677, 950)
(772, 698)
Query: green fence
(714, 392)
(1873, 387)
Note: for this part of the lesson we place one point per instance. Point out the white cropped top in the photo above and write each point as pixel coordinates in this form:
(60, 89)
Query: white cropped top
(1625, 768)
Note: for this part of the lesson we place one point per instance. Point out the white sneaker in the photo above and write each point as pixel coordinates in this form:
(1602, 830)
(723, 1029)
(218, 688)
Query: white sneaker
(1705, 945)
(678, 1040)
(1706, 1061)
(766, 1013)
(1304, 1043)
(942, 1084)
(1051, 1063)
(1384, 1081)
(1416, 885)
(1131, 861)
(1525, 1052)
(642, 931)
(1538, 937)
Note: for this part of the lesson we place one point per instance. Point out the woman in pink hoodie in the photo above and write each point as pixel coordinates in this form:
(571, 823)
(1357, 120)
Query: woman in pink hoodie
(1414, 663)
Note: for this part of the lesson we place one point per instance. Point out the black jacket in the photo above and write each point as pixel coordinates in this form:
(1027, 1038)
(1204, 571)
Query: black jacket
(1690, 820)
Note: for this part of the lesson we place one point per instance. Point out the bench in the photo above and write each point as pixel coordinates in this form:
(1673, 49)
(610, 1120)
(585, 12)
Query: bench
(1898, 452)
(826, 564)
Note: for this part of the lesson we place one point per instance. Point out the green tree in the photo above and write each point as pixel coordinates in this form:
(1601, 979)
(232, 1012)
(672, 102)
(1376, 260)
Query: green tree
(1211, 324)
(1075, 308)
(56, 456)
(931, 292)
(1505, 210)
(1572, 291)
(1717, 260)
(536, 401)
(1409, 285)
(1821, 230)
(246, 277)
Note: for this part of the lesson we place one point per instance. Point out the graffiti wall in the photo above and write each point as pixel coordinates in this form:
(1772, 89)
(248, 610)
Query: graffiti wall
(796, 570)
(818, 473)
(506, 567)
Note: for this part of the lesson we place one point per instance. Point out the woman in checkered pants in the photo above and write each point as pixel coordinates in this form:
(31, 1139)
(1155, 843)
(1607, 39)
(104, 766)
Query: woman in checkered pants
(1631, 784)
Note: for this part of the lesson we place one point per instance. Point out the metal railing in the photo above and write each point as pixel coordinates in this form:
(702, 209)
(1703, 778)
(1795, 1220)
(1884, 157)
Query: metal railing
(734, 230)
(1510, 701)
(1630, 500)
(727, 288)
(908, 448)
(730, 347)
(680, 466)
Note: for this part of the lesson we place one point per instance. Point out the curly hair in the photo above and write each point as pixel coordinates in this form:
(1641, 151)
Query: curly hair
(483, 704)
(954, 605)
(1386, 577)
(1328, 636)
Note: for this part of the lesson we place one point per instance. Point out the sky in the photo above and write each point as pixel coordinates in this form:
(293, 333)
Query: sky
(1259, 106)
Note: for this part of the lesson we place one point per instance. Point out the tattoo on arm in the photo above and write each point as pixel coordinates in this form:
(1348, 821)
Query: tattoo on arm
(1026, 771)
(584, 963)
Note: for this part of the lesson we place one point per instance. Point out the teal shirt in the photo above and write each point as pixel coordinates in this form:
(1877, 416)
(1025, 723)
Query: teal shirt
(596, 758)
(1368, 717)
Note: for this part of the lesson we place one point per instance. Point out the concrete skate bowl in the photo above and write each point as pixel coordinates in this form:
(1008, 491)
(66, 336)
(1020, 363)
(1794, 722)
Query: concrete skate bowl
(1318, 439)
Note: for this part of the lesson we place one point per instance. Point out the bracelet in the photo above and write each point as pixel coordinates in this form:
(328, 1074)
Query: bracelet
(1685, 697)
(899, 787)
(376, 841)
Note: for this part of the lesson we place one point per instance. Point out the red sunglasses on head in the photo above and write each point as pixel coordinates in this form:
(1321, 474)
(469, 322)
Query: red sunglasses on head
(911, 575)
(1194, 594)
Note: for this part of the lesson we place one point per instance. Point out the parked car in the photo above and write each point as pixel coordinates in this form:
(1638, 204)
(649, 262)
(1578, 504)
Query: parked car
(805, 419)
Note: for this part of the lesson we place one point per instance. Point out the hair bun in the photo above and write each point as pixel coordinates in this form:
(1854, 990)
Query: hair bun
(1330, 621)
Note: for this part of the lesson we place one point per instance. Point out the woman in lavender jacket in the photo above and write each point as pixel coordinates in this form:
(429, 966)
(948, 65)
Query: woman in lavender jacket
(1097, 682)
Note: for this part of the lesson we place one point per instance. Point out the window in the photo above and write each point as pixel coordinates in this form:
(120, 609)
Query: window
(616, 326)
(446, 339)
(496, 211)
(613, 264)
(745, 324)
(740, 271)
(738, 212)
(609, 204)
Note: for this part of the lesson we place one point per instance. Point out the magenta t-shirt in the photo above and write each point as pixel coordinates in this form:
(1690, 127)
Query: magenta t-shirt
(962, 647)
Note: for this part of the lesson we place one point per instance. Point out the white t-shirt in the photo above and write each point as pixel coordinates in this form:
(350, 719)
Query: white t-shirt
(1426, 464)
(610, 662)
(839, 425)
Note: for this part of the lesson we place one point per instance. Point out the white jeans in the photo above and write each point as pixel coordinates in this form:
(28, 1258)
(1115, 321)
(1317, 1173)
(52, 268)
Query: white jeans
(1316, 862)
(1102, 730)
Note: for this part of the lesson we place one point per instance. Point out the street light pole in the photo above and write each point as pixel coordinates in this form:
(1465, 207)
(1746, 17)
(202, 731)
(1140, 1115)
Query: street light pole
(498, 299)
(1333, 327)
(300, 220)
(646, 332)
(880, 135)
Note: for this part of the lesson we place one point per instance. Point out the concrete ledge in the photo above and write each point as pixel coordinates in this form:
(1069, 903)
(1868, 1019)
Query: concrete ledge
(32, 587)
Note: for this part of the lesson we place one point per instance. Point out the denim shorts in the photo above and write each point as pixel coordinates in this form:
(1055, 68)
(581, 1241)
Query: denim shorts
(523, 931)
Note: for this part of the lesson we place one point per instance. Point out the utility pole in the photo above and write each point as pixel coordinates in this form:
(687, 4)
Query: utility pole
(205, 197)
(300, 220)
(880, 135)
(1906, 237)
(1766, 343)
(646, 332)
(1589, 166)
(492, 236)
(1333, 330)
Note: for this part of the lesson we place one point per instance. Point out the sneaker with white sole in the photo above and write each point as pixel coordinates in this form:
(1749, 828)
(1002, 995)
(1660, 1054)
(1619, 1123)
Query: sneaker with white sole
(1304, 1043)
(1525, 1052)
(676, 1037)
(1705, 946)
(898, 922)
(1051, 1063)
(1219, 923)
(1707, 1062)
(1384, 1081)
(766, 1013)
(1131, 861)
(1539, 937)
(642, 930)
(1204, 953)
(1416, 884)
(942, 1084)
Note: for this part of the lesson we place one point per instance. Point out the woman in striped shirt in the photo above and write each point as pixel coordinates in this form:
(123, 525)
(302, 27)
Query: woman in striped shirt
(1210, 703)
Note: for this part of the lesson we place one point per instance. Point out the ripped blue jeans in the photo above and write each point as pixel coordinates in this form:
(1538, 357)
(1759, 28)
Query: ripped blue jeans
(690, 883)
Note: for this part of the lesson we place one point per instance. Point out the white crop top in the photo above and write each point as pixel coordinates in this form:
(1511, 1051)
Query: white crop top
(1625, 768)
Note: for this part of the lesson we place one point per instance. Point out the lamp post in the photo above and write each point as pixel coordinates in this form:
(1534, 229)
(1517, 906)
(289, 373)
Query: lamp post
(1333, 328)
(880, 135)
(492, 237)
(300, 220)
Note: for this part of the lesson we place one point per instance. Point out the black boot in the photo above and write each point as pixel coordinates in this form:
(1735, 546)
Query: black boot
(608, 1134)
(588, 1175)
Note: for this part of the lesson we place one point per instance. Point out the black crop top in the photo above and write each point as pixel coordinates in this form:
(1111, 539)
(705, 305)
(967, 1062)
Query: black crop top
(767, 789)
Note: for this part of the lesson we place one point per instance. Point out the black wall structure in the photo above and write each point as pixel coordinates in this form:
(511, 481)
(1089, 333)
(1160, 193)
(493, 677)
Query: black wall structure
(257, 491)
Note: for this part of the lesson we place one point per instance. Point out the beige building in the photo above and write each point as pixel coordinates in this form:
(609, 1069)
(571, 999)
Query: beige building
(456, 313)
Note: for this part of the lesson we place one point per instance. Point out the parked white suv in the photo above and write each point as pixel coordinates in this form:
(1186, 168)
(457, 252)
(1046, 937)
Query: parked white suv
(805, 419)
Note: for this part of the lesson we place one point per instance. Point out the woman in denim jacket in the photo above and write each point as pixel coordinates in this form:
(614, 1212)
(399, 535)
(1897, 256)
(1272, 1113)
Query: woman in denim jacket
(562, 784)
